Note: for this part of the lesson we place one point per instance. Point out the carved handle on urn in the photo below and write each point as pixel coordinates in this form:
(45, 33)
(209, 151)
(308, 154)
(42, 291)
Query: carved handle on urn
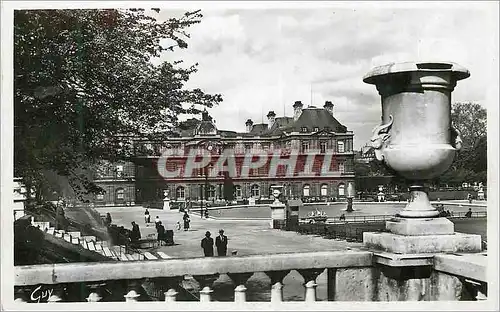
(456, 140)
(381, 135)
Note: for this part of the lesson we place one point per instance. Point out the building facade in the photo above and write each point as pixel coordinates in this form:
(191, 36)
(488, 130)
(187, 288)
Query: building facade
(313, 138)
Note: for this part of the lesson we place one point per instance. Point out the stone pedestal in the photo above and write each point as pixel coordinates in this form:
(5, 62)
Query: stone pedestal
(422, 235)
(278, 215)
(396, 243)
(420, 226)
(166, 204)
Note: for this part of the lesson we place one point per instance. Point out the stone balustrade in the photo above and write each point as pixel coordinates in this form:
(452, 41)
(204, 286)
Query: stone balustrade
(351, 276)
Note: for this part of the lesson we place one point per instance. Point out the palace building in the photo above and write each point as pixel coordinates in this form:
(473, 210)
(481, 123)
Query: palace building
(313, 137)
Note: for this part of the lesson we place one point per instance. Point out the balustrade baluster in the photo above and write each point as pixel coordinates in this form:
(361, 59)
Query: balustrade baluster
(171, 295)
(206, 282)
(132, 295)
(95, 292)
(168, 286)
(57, 294)
(240, 290)
(309, 276)
(277, 284)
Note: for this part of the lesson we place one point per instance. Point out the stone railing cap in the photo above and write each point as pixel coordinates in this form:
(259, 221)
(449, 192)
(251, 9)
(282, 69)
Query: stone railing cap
(376, 73)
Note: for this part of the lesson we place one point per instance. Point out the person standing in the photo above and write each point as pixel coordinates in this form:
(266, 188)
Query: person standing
(186, 221)
(108, 219)
(221, 244)
(157, 220)
(61, 223)
(136, 233)
(207, 244)
(147, 217)
(160, 229)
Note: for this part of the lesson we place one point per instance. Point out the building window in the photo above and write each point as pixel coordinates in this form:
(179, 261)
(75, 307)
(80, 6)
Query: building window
(237, 191)
(305, 147)
(322, 147)
(255, 190)
(341, 189)
(180, 193)
(119, 171)
(305, 190)
(211, 191)
(341, 167)
(340, 147)
(100, 196)
(304, 129)
(316, 129)
(120, 194)
(324, 190)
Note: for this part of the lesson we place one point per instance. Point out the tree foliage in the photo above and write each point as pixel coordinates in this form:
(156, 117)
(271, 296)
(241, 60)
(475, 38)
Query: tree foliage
(470, 163)
(85, 84)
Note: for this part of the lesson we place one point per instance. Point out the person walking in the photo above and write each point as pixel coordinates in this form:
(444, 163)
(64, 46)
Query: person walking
(221, 244)
(147, 217)
(178, 225)
(186, 221)
(207, 244)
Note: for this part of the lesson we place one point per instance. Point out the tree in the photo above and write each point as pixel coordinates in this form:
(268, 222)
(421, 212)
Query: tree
(470, 163)
(470, 120)
(85, 86)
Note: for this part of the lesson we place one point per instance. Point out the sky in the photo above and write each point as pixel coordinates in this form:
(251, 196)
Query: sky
(266, 59)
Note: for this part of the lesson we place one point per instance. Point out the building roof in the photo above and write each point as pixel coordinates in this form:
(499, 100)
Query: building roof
(312, 117)
(258, 129)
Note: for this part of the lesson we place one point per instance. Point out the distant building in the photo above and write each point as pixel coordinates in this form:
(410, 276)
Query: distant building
(310, 129)
(365, 155)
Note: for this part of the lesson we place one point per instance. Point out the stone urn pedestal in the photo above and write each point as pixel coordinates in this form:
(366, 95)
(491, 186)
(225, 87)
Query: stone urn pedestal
(166, 203)
(278, 215)
(417, 140)
(278, 211)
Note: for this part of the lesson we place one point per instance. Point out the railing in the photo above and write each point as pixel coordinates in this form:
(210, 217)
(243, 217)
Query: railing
(383, 218)
(351, 276)
(203, 270)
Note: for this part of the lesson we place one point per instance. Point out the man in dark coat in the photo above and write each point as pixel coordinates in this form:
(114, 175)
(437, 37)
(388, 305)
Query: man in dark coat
(207, 244)
(161, 233)
(136, 233)
(221, 244)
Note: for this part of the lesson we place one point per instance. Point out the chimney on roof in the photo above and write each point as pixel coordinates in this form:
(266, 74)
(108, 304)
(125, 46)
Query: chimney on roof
(205, 116)
(249, 124)
(297, 109)
(271, 117)
(329, 107)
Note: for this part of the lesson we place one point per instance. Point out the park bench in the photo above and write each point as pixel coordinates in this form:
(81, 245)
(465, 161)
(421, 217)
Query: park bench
(163, 255)
(149, 256)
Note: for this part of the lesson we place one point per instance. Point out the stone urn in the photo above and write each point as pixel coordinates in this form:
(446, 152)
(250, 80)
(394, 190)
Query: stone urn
(416, 137)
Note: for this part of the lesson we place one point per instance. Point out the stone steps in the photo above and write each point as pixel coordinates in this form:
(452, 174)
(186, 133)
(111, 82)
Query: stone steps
(91, 243)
